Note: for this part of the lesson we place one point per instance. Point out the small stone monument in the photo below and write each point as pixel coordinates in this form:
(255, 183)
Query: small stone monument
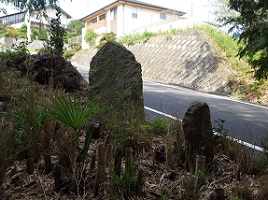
(198, 133)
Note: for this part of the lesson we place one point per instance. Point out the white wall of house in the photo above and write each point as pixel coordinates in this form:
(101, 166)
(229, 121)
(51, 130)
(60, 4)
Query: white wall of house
(127, 23)
(145, 18)
(108, 21)
(180, 23)
(18, 25)
(84, 44)
(51, 13)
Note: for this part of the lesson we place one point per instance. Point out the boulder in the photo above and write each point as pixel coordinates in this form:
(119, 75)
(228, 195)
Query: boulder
(198, 133)
(115, 80)
(56, 72)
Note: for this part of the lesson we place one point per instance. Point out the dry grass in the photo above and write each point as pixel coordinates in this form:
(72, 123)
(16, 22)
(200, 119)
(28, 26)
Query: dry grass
(165, 178)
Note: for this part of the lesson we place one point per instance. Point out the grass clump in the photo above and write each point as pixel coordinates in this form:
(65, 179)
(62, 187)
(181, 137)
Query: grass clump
(133, 38)
(157, 125)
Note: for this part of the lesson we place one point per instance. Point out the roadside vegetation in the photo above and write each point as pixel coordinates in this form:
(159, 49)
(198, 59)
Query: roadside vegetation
(54, 144)
(57, 143)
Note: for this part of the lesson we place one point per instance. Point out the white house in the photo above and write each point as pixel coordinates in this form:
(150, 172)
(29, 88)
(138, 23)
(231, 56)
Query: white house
(17, 19)
(129, 16)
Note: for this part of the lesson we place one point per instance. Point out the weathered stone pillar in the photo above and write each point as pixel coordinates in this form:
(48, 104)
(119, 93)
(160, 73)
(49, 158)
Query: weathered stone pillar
(115, 80)
(198, 133)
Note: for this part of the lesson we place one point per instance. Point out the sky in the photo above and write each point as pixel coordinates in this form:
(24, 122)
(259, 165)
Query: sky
(78, 9)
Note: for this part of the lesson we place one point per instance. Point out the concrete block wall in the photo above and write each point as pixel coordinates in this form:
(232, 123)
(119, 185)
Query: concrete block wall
(186, 59)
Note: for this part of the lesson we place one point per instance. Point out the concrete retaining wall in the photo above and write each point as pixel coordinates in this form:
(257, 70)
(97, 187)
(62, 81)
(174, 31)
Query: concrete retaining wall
(7, 42)
(186, 59)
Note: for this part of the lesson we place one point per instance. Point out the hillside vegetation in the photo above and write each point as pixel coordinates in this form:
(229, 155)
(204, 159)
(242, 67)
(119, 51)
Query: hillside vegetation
(242, 83)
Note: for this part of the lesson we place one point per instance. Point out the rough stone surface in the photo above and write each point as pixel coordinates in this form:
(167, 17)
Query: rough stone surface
(188, 59)
(115, 79)
(198, 133)
(59, 75)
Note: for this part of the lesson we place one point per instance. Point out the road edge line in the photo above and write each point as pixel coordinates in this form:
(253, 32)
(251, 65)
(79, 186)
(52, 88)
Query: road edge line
(214, 132)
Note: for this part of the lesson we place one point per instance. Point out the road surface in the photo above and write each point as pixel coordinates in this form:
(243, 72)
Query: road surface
(244, 121)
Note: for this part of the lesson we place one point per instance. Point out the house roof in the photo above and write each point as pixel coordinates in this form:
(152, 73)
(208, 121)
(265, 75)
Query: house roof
(65, 13)
(12, 14)
(132, 3)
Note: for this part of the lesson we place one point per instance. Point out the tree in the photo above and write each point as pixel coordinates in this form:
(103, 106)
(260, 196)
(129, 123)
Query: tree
(30, 4)
(222, 10)
(252, 26)
(3, 10)
(56, 41)
(75, 28)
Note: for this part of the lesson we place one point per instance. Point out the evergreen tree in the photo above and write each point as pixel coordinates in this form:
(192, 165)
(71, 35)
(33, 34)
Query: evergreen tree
(75, 27)
(33, 4)
(252, 26)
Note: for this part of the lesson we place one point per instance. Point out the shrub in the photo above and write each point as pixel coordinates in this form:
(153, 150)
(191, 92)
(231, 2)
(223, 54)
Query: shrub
(158, 125)
(18, 58)
(34, 33)
(13, 32)
(132, 38)
(68, 53)
(42, 33)
(106, 37)
(90, 37)
(23, 31)
(75, 46)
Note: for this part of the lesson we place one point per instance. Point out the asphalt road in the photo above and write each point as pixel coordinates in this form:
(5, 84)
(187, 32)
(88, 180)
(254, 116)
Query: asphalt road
(245, 121)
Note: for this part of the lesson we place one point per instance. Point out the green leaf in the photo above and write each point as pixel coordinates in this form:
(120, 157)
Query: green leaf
(71, 112)
(88, 139)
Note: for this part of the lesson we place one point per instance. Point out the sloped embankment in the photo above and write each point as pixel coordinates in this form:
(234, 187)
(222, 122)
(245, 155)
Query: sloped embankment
(188, 59)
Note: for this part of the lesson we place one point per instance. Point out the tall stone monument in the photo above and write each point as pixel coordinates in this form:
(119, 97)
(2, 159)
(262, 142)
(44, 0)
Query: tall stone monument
(115, 80)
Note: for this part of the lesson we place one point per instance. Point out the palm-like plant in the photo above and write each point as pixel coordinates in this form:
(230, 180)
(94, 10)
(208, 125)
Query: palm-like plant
(74, 113)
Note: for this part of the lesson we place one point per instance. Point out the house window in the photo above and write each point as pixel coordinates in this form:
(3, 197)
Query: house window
(93, 21)
(163, 16)
(21, 17)
(113, 13)
(12, 19)
(134, 12)
(101, 17)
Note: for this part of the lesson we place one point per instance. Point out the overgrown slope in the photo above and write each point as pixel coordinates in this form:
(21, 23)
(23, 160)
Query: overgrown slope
(245, 87)
(242, 83)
